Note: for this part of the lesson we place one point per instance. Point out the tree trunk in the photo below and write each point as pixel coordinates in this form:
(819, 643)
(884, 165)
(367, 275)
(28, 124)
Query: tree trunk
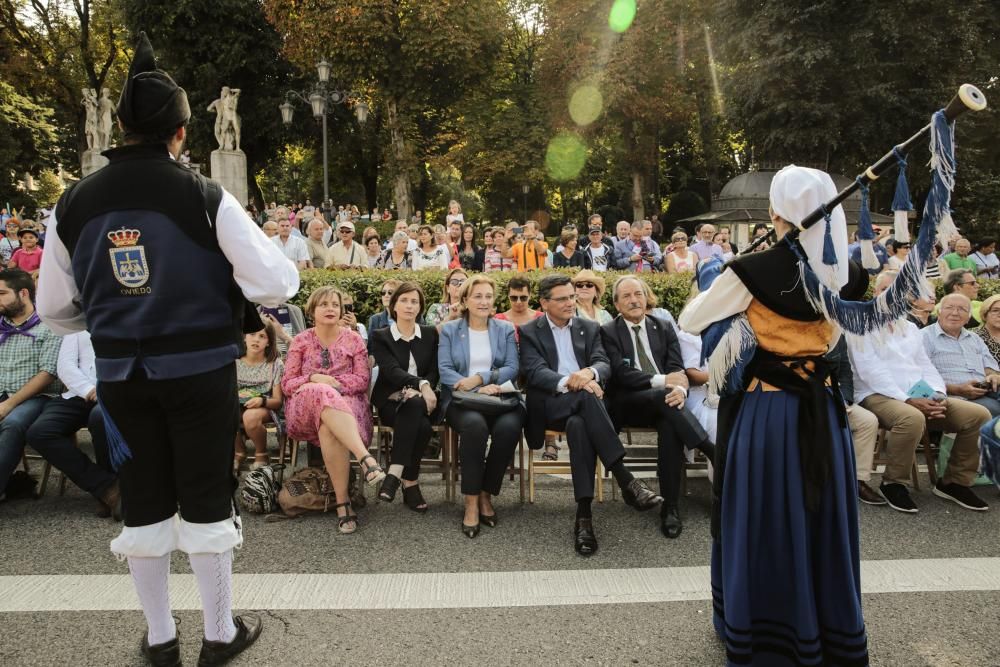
(638, 207)
(401, 163)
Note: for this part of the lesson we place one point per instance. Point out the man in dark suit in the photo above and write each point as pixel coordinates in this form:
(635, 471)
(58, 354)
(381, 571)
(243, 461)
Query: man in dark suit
(565, 366)
(648, 389)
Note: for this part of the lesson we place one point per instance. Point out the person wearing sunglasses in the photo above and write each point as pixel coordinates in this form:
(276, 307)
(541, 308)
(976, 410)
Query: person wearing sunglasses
(898, 251)
(345, 253)
(520, 313)
(438, 313)
(963, 281)
(326, 388)
(589, 292)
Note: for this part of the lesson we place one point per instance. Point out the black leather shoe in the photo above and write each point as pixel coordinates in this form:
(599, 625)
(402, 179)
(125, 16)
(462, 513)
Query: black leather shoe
(670, 523)
(248, 629)
(639, 496)
(488, 520)
(470, 531)
(167, 654)
(585, 541)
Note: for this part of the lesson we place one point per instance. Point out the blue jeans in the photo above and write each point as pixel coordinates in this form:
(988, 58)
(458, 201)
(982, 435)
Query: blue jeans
(52, 436)
(13, 431)
(991, 402)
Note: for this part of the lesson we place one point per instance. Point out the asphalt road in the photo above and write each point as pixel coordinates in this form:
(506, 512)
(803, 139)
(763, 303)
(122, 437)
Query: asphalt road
(58, 535)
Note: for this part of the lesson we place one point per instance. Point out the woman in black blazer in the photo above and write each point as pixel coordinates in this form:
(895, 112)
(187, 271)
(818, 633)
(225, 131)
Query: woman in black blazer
(406, 355)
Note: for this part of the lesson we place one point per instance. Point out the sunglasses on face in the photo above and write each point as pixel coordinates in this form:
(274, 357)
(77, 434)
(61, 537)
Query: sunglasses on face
(456, 283)
(515, 299)
(971, 282)
(387, 292)
(585, 285)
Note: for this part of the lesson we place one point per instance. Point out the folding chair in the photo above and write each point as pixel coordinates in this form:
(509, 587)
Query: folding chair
(559, 468)
(445, 465)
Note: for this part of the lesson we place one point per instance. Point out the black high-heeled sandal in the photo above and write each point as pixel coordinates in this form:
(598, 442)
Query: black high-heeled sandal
(348, 518)
(414, 499)
(374, 472)
(387, 491)
(488, 520)
(470, 531)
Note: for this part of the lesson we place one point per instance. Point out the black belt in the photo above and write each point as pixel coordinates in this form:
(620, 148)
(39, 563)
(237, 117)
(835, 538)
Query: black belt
(117, 348)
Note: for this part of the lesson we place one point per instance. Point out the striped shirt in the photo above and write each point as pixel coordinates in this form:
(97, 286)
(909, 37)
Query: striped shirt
(958, 360)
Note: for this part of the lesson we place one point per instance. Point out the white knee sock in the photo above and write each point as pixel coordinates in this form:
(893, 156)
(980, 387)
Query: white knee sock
(214, 573)
(150, 576)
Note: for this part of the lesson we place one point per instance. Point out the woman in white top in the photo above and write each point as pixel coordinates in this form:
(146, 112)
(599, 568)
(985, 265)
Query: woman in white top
(898, 252)
(428, 254)
(478, 353)
(680, 259)
(986, 260)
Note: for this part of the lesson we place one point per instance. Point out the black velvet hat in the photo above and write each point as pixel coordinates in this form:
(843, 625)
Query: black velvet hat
(151, 100)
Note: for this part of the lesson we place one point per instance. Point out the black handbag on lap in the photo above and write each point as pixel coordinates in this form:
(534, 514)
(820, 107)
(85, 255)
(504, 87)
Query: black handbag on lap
(486, 404)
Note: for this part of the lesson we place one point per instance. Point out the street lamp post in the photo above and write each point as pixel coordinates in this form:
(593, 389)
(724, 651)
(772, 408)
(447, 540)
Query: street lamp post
(295, 183)
(320, 99)
(524, 191)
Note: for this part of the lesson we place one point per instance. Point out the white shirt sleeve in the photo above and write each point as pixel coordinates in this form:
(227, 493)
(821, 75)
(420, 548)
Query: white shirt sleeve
(68, 367)
(871, 374)
(261, 270)
(58, 299)
(727, 296)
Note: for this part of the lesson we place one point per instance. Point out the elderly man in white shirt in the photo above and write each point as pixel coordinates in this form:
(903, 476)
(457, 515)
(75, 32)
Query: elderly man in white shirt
(51, 435)
(293, 247)
(895, 380)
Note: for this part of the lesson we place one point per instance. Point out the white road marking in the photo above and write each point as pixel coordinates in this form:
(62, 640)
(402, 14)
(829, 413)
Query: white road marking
(37, 593)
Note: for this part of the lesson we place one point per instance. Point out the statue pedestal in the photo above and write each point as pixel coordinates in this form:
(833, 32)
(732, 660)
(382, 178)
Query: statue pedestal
(91, 161)
(229, 168)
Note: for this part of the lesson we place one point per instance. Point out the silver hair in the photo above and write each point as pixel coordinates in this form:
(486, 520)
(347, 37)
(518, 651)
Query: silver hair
(400, 236)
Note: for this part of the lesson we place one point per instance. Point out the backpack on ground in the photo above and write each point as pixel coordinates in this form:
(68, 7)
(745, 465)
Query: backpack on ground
(310, 490)
(259, 494)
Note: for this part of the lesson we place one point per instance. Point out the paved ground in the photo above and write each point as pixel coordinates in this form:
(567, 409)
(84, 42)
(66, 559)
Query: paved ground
(950, 625)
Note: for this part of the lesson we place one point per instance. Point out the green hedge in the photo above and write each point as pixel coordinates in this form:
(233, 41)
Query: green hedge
(672, 290)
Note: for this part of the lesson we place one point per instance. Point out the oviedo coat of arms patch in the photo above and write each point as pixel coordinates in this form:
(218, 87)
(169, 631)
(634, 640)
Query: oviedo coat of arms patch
(128, 259)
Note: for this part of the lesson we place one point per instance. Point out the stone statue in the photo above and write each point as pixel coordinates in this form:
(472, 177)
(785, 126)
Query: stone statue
(90, 125)
(105, 111)
(227, 121)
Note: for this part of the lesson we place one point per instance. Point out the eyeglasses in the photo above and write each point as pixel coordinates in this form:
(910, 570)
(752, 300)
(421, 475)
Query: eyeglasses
(679, 239)
(346, 231)
(387, 292)
(455, 282)
(522, 297)
(324, 358)
(954, 309)
(585, 285)
(970, 282)
(563, 299)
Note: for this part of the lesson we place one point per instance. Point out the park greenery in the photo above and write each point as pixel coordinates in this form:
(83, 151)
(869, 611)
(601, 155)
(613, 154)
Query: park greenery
(550, 108)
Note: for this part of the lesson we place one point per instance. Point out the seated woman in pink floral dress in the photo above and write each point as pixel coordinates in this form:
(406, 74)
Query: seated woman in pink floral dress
(326, 389)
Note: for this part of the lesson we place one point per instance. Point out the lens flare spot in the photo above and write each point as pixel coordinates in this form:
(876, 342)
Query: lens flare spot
(622, 15)
(565, 156)
(585, 105)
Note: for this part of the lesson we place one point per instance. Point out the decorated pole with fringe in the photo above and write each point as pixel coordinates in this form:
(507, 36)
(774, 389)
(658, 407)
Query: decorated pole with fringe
(969, 98)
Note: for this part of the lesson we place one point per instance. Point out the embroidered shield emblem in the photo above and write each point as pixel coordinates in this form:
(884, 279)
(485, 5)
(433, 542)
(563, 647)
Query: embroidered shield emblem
(128, 259)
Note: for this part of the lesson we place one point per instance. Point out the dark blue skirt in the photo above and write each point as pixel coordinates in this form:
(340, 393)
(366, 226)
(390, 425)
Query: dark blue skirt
(786, 585)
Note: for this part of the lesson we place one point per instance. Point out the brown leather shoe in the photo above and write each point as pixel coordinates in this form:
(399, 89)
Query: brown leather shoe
(111, 499)
(867, 495)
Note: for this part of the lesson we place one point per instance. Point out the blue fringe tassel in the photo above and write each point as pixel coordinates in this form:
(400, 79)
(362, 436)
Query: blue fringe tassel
(901, 201)
(829, 252)
(118, 451)
(865, 230)
(711, 336)
(860, 318)
(990, 450)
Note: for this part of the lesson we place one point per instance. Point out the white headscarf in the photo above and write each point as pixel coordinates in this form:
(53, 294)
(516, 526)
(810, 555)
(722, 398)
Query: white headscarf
(795, 193)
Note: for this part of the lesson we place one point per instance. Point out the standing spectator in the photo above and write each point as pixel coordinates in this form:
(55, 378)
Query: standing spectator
(406, 355)
(963, 281)
(294, 248)
(636, 254)
(657, 227)
(597, 251)
(326, 383)
(454, 214)
(721, 239)
(270, 229)
(438, 313)
(29, 256)
(52, 433)
(933, 270)
(417, 218)
(345, 253)
(258, 381)
(373, 247)
(986, 260)
(29, 353)
(589, 292)
(959, 259)
(478, 353)
(493, 258)
(621, 230)
(396, 256)
(386, 215)
(681, 259)
(319, 254)
(455, 227)
(8, 243)
(470, 255)
(428, 255)
(531, 253)
(961, 357)
(705, 248)
(568, 255)
(990, 331)
(443, 240)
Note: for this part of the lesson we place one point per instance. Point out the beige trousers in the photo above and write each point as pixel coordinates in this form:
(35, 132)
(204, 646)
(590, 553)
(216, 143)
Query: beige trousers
(864, 432)
(906, 425)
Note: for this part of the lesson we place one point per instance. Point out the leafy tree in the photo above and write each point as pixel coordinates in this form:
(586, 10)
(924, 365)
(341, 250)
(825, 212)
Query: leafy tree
(26, 137)
(48, 188)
